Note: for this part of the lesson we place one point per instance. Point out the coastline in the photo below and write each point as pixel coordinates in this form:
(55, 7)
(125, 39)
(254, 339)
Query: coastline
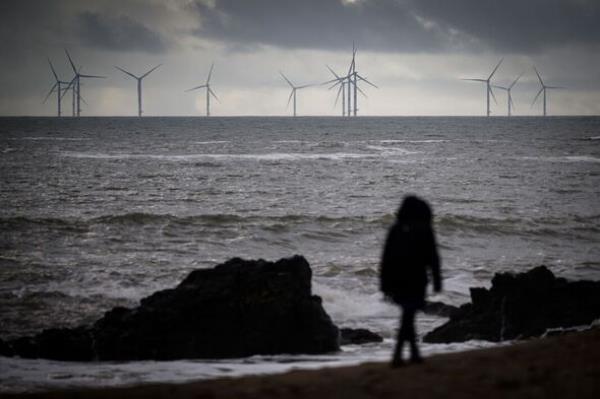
(567, 366)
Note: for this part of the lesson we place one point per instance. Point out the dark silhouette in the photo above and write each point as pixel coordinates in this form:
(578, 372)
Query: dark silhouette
(409, 250)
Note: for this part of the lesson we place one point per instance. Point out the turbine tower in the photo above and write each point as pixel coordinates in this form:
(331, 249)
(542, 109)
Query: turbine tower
(59, 89)
(543, 89)
(355, 78)
(139, 84)
(76, 81)
(209, 91)
(509, 94)
(293, 92)
(488, 86)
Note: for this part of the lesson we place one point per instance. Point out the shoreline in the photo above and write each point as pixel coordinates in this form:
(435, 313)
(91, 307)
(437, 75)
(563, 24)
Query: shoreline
(567, 366)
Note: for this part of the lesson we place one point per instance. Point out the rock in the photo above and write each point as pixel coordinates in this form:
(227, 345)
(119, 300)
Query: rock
(5, 349)
(358, 336)
(236, 309)
(519, 306)
(439, 309)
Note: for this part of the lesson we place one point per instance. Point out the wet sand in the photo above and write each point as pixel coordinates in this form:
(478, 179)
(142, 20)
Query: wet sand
(567, 366)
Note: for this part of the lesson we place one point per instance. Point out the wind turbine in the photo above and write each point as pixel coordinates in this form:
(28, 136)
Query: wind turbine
(543, 89)
(209, 91)
(353, 78)
(342, 90)
(488, 86)
(139, 84)
(59, 89)
(508, 93)
(293, 92)
(77, 82)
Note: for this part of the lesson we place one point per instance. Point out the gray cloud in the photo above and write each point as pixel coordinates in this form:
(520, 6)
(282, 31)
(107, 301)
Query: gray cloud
(404, 25)
(119, 33)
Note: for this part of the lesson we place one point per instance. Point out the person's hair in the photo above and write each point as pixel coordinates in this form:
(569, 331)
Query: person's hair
(414, 210)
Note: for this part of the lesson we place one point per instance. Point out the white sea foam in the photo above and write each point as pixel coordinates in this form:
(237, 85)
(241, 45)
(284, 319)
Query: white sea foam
(391, 150)
(212, 142)
(336, 156)
(412, 141)
(51, 138)
(567, 158)
(595, 138)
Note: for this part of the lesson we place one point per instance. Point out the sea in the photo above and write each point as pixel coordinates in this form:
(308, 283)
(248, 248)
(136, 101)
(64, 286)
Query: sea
(101, 212)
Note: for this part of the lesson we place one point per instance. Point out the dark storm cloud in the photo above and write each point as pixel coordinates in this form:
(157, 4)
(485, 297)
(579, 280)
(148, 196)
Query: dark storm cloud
(518, 25)
(119, 33)
(323, 24)
(404, 25)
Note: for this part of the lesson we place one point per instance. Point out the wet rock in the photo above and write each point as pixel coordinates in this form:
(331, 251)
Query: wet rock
(358, 336)
(236, 309)
(439, 309)
(519, 306)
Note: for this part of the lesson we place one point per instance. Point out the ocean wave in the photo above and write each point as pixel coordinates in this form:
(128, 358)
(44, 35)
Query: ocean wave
(566, 158)
(311, 225)
(140, 218)
(277, 156)
(51, 138)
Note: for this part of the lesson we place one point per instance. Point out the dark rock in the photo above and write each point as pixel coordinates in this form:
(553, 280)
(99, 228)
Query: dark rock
(439, 309)
(237, 309)
(358, 336)
(519, 306)
(5, 349)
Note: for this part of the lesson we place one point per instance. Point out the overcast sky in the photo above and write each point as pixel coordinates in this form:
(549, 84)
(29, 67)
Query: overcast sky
(416, 51)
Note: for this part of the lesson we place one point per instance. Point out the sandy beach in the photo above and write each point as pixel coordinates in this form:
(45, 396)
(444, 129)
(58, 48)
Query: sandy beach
(566, 366)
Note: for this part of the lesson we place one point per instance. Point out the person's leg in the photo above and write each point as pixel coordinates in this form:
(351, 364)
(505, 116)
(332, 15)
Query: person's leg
(411, 336)
(397, 359)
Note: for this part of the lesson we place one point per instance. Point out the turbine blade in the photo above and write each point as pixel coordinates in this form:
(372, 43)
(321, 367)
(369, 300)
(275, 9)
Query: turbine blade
(512, 103)
(304, 86)
(150, 71)
(516, 80)
(290, 98)
(195, 88)
(213, 94)
(331, 70)
(538, 75)
(286, 79)
(92, 76)
(128, 73)
(337, 97)
(476, 80)
(339, 82)
(495, 69)
(330, 81)
(71, 61)
(50, 92)
(537, 96)
(361, 92)
(493, 95)
(210, 73)
(53, 71)
(366, 81)
(500, 87)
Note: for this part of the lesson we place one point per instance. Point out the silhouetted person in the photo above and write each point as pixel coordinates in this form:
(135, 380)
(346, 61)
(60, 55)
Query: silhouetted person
(409, 250)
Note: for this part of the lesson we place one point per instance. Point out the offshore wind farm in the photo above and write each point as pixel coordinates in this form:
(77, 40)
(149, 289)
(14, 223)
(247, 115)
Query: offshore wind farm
(348, 88)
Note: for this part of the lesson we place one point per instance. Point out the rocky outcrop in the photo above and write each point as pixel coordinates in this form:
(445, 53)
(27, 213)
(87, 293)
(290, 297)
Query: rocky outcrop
(358, 336)
(236, 309)
(519, 306)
